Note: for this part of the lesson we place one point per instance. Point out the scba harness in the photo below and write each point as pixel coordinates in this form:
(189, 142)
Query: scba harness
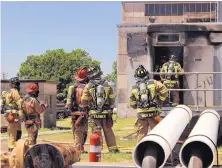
(171, 67)
(79, 115)
(99, 91)
(145, 99)
(31, 116)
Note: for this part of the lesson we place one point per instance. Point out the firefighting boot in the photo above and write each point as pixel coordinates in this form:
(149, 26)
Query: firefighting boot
(10, 149)
(82, 150)
(114, 151)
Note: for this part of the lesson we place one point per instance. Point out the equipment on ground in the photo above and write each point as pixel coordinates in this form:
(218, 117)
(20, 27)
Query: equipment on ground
(46, 155)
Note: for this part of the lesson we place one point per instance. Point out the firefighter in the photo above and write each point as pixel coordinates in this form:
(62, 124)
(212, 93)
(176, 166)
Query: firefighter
(172, 80)
(98, 96)
(158, 67)
(32, 110)
(13, 112)
(146, 98)
(79, 116)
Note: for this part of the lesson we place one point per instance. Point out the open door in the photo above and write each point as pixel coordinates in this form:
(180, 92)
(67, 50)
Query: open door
(167, 51)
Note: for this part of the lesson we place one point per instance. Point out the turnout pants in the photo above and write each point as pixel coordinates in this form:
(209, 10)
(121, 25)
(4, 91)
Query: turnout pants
(107, 130)
(14, 134)
(32, 133)
(142, 126)
(175, 94)
(79, 133)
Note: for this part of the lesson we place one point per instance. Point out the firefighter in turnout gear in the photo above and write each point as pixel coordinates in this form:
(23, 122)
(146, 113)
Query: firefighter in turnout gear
(32, 110)
(171, 80)
(79, 115)
(158, 67)
(13, 112)
(98, 96)
(146, 98)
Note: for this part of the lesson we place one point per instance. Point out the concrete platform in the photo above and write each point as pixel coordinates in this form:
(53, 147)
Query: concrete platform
(113, 165)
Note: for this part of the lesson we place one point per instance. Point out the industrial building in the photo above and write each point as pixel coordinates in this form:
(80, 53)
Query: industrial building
(151, 29)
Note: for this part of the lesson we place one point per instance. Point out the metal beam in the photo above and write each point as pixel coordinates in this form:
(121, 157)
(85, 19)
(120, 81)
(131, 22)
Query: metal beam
(184, 73)
(126, 25)
(194, 89)
(112, 166)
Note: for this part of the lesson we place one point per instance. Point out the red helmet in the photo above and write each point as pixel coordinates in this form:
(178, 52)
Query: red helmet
(32, 88)
(81, 75)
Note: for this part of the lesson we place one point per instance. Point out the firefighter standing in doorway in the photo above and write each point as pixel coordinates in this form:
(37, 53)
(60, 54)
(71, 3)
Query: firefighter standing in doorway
(163, 60)
(32, 110)
(79, 115)
(98, 96)
(171, 80)
(13, 112)
(146, 98)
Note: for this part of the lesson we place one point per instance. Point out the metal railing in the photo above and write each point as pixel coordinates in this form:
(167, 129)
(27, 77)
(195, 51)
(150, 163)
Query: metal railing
(197, 83)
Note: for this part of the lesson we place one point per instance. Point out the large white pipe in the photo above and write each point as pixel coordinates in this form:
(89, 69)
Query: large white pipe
(204, 138)
(164, 136)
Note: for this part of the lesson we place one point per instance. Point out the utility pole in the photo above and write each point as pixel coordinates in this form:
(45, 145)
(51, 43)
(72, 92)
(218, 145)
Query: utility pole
(219, 11)
(4, 75)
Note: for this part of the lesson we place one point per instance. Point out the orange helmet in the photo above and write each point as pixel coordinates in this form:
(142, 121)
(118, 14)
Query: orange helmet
(32, 88)
(81, 74)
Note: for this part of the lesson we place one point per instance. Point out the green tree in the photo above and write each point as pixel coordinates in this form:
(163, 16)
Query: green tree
(56, 65)
(113, 76)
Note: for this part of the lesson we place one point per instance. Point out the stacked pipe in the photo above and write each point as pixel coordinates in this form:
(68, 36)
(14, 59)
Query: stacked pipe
(201, 145)
(154, 149)
(40, 155)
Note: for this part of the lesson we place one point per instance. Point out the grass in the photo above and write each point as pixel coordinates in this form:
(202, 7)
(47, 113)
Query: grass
(25, 132)
(122, 128)
(64, 123)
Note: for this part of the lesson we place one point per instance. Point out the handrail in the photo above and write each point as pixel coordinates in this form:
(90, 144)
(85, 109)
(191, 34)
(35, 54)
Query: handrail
(194, 89)
(183, 73)
(197, 82)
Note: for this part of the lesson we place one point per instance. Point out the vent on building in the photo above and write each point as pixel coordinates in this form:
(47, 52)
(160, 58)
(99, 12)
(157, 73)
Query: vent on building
(136, 43)
(168, 37)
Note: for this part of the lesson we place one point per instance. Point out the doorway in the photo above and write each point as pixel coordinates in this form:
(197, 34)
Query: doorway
(160, 51)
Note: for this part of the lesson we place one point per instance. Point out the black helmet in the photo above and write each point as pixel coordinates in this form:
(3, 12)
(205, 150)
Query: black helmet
(163, 57)
(94, 71)
(173, 57)
(140, 72)
(14, 80)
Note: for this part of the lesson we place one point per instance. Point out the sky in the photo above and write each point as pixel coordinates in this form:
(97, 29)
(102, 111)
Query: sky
(33, 27)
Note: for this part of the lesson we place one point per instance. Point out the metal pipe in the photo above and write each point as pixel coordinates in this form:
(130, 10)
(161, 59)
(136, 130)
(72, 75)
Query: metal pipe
(197, 93)
(184, 73)
(203, 138)
(164, 136)
(194, 89)
(205, 95)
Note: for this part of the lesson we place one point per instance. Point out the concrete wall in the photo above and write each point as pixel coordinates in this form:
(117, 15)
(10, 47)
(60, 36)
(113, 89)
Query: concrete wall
(126, 65)
(48, 91)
